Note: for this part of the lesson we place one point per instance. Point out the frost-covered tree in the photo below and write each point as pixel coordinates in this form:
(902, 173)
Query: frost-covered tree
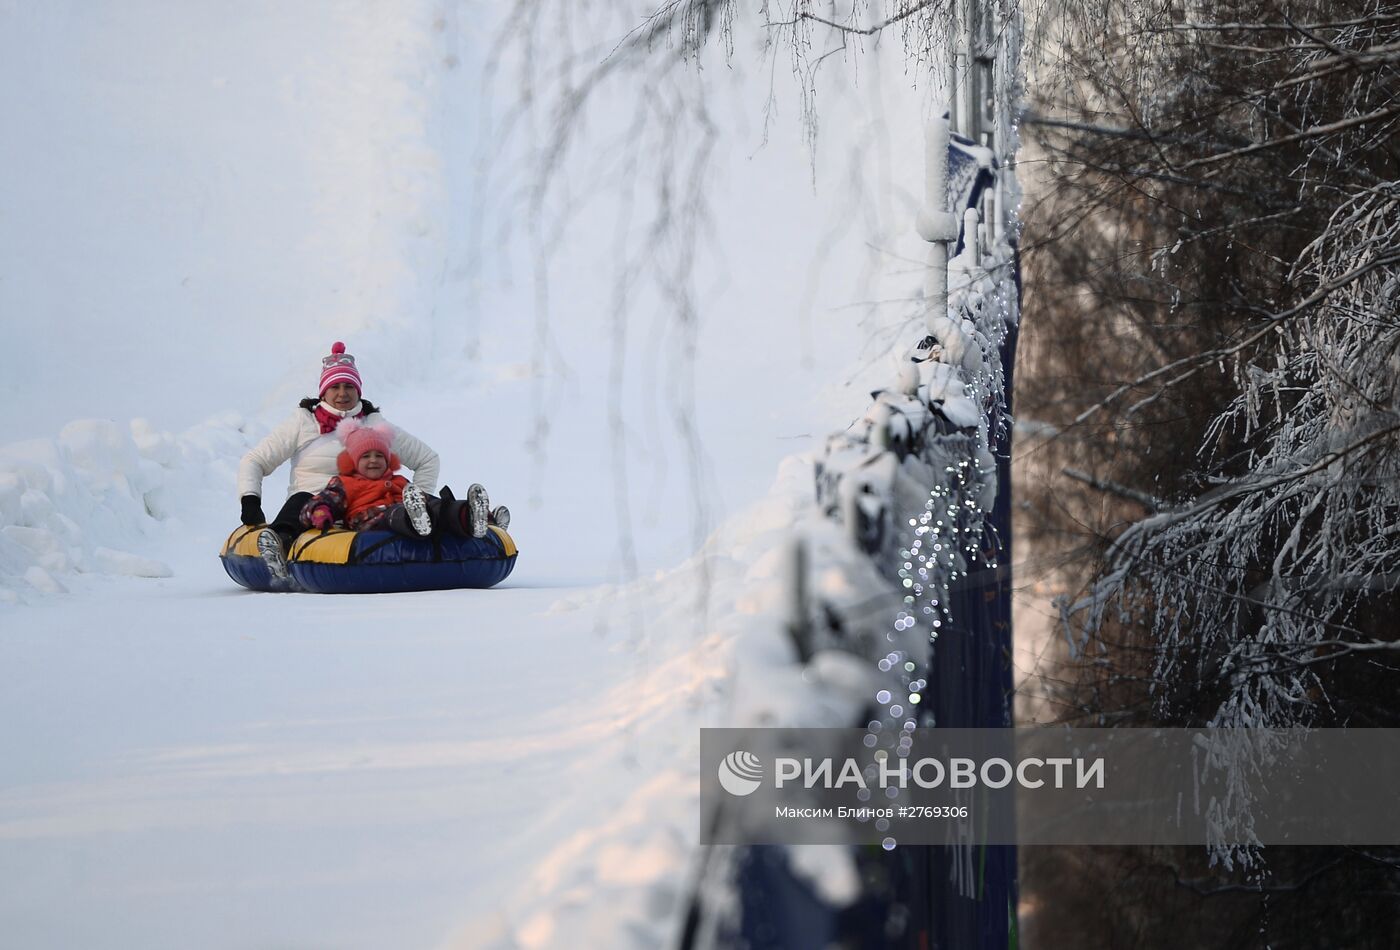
(1213, 264)
(1220, 248)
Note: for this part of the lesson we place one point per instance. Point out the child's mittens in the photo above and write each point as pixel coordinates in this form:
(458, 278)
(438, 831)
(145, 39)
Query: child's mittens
(320, 517)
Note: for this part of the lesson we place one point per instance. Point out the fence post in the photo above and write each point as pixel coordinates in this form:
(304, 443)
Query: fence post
(936, 224)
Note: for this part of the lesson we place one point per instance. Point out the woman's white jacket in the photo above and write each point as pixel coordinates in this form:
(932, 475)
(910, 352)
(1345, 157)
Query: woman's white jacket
(313, 455)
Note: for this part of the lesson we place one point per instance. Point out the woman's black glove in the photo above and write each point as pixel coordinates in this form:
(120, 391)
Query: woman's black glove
(252, 511)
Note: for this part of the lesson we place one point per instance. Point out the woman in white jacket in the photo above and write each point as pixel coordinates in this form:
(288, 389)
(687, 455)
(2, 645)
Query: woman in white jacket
(308, 439)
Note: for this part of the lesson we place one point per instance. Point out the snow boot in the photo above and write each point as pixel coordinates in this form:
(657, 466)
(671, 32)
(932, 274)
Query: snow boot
(478, 510)
(270, 548)
(416, 505)
(500, 517)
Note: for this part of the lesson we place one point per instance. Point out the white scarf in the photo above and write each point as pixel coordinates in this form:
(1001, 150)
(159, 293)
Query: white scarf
(343, 413)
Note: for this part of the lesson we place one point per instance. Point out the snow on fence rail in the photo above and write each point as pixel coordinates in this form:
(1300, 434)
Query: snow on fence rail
(906, 509)
(911, 484)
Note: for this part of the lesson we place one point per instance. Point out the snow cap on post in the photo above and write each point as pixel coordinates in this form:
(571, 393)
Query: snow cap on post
(339, 367)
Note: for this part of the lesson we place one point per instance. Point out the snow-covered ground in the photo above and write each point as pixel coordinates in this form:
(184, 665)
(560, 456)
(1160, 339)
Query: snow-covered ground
(187, 764)
(203, 196)
(190, 763)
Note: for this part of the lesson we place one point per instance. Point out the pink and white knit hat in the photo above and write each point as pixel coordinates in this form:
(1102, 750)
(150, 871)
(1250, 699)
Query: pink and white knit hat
(339, 367)
(359, 439)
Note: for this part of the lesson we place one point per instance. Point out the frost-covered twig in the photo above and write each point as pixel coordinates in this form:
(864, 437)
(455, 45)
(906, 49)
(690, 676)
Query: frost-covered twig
(1316, 131)
(870, 30)
(1123, 491)
(1196, 362)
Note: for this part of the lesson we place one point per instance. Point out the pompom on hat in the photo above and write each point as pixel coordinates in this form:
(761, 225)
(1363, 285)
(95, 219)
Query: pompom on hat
(339, 367)
(359, 439)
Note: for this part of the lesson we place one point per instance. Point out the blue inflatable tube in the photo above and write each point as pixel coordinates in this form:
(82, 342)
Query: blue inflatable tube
(339, 561)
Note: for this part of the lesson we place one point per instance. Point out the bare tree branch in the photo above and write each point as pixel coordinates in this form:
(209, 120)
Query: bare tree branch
(807, 15)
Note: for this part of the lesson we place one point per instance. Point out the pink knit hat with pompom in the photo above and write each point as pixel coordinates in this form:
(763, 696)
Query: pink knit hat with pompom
(359, 439)
(339, 367)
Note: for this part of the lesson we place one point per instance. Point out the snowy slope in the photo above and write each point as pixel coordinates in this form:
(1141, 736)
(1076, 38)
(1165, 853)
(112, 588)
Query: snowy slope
(206, 196)
(480, 768)
(194, 194)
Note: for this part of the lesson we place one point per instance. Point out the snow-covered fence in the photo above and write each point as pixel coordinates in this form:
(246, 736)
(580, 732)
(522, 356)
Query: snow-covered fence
(933, 431)
(913, 512)
(899, 565)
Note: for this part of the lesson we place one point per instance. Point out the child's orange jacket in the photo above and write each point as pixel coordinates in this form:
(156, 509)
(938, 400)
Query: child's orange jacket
(354, 499)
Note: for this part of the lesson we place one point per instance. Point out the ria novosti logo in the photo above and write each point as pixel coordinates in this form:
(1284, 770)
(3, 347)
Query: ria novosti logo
(740, 773)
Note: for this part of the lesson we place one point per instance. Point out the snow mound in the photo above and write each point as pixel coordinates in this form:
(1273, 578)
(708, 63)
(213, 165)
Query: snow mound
(90, 499)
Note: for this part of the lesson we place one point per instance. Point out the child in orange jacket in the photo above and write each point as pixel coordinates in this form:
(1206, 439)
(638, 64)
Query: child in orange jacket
(369, 494)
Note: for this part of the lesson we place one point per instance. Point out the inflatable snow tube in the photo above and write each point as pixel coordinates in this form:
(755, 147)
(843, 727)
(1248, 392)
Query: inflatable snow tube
(242, 562)
(340, 561)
